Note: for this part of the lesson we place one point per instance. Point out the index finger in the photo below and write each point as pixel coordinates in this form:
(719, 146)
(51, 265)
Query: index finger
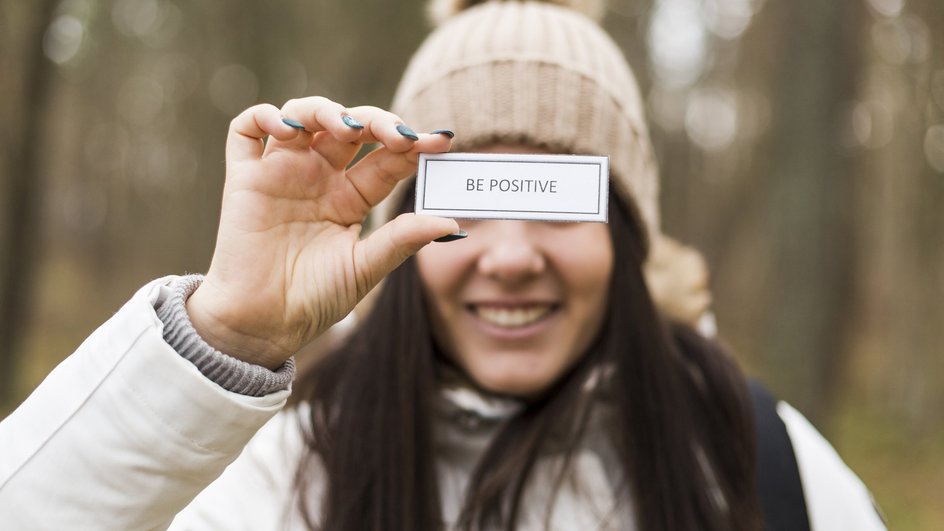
(379, 171)
(245, 140)
(318, 114)
(384, 127)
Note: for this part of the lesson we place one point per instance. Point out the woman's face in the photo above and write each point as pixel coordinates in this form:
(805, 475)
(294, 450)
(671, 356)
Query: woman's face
(516, 303)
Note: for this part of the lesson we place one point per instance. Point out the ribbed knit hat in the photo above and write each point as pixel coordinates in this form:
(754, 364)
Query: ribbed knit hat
(534, 74)
(546, 75)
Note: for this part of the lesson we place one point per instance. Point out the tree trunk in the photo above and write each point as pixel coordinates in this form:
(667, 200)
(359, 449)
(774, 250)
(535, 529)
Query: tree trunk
(809, 186)
(22, 201)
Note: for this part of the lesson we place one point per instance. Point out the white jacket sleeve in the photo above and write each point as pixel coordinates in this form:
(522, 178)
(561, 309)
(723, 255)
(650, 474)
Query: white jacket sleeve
(835, 497)
(124, 433)
(257, 492)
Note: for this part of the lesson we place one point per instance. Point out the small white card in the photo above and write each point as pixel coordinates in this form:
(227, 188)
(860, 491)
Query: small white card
(513, 186)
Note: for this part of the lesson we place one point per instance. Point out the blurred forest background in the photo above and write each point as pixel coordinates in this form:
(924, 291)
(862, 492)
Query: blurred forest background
(801, 144)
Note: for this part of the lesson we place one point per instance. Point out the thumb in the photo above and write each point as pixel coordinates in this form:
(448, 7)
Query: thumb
(395, 241)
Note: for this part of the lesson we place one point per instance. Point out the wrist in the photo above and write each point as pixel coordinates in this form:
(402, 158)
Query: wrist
(214, 323)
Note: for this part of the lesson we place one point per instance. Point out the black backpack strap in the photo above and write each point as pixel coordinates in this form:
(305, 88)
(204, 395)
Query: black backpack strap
(778, 477)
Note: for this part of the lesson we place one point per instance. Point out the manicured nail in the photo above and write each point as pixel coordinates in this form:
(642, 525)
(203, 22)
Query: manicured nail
(452, 237)
(446, 132)
(407, 132)
(293, 123)
(351, 122)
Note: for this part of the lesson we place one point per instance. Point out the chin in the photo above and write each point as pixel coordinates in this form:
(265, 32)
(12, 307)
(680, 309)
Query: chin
(516, 385)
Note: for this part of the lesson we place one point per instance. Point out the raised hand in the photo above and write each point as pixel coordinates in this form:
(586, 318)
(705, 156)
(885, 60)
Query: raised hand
(289, 261)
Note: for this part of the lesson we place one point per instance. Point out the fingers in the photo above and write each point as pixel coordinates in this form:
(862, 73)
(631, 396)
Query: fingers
(336, 132)
(317, 114)
(384, 127)
(394, 242)
(378, 173)
(337, 153)
(379, 126)
(247, 131)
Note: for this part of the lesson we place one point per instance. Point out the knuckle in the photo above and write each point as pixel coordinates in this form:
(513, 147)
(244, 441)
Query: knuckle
(324, 105)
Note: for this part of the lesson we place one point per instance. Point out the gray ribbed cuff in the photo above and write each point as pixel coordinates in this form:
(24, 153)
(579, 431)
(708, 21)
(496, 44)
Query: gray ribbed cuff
(230, 373)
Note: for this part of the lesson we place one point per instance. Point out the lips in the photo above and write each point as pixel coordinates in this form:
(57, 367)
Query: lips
(509, 317)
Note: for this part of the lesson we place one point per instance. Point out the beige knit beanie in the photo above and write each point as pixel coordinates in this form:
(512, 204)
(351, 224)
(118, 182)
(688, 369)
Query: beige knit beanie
(535, 74)
(542, 74)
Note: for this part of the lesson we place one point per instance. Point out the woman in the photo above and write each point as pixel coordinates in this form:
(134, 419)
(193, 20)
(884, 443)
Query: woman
(515, 375)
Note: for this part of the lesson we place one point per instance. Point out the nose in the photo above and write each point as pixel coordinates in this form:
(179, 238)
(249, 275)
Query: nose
(512, 255)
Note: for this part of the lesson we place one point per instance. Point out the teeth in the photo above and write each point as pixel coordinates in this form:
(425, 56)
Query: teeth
(513, 317)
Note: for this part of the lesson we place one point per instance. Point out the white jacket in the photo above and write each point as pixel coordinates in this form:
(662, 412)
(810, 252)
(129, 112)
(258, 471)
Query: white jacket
(125, 433)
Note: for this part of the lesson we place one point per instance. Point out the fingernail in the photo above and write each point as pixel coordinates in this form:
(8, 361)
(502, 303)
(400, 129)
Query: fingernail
(351, 122)
(452, 237)
(293, 123)
(446, 132)
(407, 132)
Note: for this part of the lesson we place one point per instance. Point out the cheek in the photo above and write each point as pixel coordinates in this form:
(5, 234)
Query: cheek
(587, 269)
(585, 261)
(436, 281)
(589, 277)
(439, 270)
(442, 272)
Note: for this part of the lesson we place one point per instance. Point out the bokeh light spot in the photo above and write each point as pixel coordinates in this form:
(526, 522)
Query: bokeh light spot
(729, 18)
(677, 41)
(135, 18)
(82, 207)
(106, 147)
(233, 88)
(937, 88)
(920, 38)
(166, 31)
(887, 8)
(711, 118)
(934, 147)
(63, 39)
(291, 77)
(179, 76)
(871, 124)
(140, 99)
(891, 40)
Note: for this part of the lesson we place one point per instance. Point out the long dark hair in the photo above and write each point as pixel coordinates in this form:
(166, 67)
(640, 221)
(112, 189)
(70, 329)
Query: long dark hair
(679, 418)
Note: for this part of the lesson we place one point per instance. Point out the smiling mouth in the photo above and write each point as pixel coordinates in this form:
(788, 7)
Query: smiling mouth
(516, 317)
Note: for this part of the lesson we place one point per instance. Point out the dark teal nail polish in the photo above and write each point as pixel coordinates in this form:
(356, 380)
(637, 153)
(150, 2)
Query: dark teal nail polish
(293, 123)
(351, 122)
(452, 237)
(407, 132)
(446, 132)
